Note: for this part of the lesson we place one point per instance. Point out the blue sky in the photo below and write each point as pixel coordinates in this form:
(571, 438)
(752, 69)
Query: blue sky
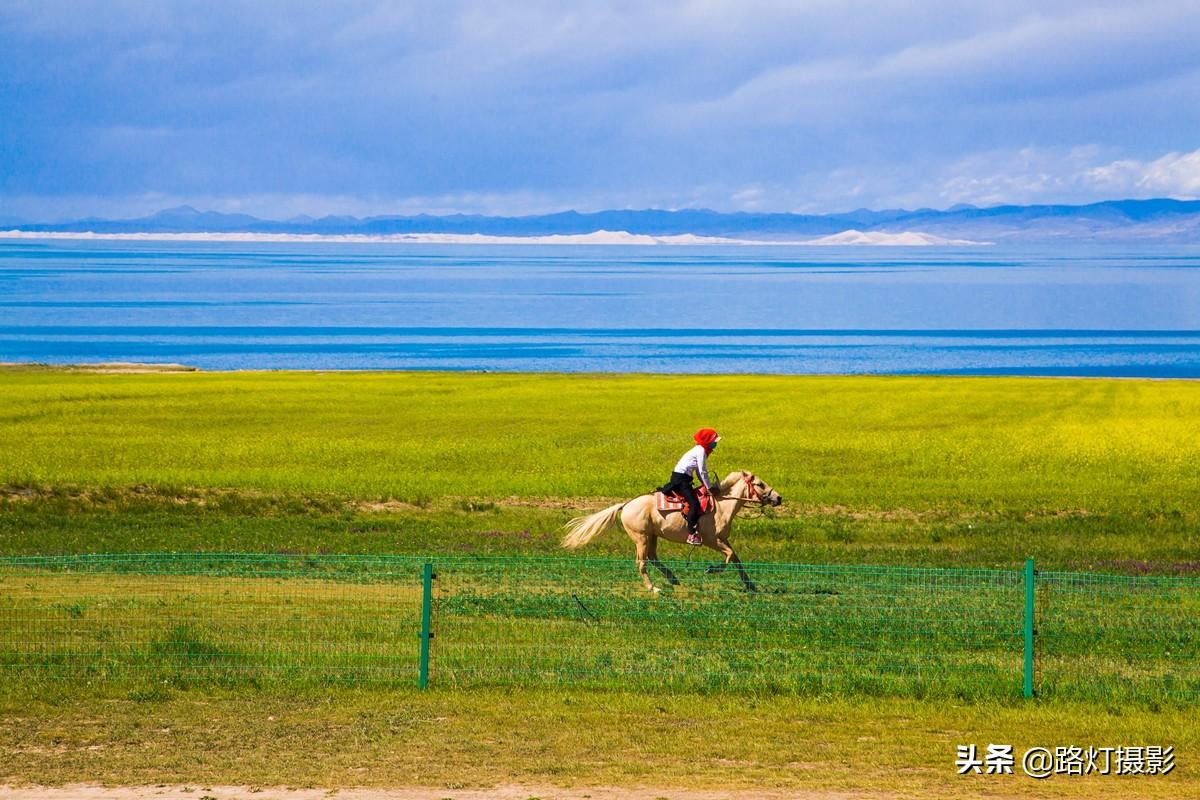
(279, 108)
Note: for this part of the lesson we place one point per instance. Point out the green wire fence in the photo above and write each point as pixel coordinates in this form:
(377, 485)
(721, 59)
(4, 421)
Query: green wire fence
(572, 622)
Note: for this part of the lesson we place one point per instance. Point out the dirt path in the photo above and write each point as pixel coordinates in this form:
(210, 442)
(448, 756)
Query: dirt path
(89, 792)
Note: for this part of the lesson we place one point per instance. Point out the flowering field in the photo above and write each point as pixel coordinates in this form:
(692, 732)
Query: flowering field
(1096, 475)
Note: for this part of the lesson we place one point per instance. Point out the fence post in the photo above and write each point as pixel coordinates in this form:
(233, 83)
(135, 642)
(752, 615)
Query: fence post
(1030, 576)
(426, 623)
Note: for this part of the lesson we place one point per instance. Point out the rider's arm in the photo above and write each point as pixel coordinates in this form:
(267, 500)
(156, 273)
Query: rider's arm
(703, 470)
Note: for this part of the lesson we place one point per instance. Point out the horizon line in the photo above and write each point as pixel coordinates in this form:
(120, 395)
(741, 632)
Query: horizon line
(192, 209)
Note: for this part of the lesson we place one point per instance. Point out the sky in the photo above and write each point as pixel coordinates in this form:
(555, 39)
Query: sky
(119, 108)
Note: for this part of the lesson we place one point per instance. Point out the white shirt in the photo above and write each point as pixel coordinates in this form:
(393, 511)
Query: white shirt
(694, 463)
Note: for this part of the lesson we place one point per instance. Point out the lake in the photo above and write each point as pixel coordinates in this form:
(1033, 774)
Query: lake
(1061, 310)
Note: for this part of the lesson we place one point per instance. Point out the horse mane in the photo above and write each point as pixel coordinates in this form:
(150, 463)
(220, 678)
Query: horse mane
(730, 480)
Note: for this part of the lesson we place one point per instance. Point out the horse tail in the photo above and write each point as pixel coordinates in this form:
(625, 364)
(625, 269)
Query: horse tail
(582, 530)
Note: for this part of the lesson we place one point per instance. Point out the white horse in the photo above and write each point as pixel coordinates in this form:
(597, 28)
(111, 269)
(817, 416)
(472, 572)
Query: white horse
(645, 524)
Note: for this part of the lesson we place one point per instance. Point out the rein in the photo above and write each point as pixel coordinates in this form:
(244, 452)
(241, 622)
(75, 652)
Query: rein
(754, 493)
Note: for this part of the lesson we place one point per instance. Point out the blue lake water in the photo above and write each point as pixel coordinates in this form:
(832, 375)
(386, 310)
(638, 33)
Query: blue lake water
(1119, 311)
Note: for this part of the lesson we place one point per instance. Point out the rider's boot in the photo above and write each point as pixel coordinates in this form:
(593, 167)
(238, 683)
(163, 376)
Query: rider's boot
(694, 538)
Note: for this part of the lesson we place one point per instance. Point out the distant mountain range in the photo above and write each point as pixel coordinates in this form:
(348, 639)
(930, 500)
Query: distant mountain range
(1122, 220)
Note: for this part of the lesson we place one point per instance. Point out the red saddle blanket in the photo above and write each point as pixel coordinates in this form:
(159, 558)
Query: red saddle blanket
(673, 502)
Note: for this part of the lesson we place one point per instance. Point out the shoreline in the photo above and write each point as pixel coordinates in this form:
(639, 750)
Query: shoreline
(846, 238)
(131, 367)
(144, 368)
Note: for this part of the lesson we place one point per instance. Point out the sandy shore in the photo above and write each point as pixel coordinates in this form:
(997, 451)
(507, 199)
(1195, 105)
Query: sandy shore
(102, 367)
(601, 237)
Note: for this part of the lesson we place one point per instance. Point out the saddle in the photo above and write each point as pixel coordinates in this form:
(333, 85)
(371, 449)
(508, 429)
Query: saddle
(666, 503)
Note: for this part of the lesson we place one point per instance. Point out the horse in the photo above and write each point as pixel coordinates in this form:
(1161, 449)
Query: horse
(645, 524)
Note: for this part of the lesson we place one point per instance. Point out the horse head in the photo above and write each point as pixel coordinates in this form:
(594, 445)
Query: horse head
(748, 486)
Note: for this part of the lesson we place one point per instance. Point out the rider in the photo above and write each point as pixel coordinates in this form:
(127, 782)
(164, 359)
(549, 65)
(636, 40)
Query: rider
(694, 463)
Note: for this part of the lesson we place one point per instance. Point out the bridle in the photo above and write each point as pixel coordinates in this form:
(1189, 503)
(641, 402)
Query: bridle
(749, 478)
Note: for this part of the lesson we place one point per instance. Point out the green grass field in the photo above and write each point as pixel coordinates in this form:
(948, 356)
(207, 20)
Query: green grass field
(1081, 474)
(191, 620)
(451, 740)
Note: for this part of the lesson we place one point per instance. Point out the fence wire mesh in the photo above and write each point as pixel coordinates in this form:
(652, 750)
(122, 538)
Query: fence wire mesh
(806, 629)
(198, 617)
(1112, 637)
(187, 618)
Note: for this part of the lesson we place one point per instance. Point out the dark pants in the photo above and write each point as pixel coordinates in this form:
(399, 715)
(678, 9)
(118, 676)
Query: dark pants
(682, 485)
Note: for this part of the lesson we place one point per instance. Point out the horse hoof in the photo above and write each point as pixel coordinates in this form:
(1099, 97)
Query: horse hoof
(655, 590)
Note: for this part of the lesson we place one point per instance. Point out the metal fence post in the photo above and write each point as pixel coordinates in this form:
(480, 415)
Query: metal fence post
(426, 623)
(1030, 577)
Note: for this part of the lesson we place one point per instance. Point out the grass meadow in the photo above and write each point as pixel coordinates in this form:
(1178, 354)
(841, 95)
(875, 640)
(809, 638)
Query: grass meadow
(1094, 475)
(1081, 474)
(826, 747)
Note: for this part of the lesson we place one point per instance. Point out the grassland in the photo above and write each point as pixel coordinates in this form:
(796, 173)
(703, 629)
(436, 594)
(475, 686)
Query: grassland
(451, 740)
(189, 620)
(1081, 474)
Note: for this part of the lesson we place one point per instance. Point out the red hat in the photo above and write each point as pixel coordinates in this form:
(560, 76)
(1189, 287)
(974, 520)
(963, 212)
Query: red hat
(706, 437)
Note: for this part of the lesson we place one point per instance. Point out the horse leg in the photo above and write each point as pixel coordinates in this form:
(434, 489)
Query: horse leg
(652, 557)
(723, 547)
(642, 549)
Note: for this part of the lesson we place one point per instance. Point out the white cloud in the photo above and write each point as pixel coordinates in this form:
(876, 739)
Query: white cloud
(1173, 175)
(60, 208)
(1029, 175)
(373, 107)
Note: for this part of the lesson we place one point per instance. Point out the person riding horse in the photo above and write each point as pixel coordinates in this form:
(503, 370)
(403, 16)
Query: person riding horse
(645, 522)
(694, 464)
